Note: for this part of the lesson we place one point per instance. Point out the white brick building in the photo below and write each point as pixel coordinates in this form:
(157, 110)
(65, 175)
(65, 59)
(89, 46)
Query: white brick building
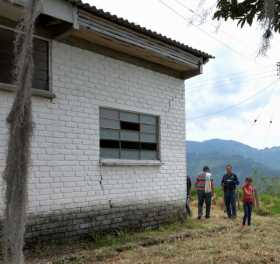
(109, 141)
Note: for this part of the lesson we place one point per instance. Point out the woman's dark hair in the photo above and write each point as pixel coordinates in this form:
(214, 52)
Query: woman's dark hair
(249, 179)
(206, 169)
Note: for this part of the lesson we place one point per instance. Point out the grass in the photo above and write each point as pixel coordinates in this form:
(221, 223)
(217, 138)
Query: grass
(258, 244)
(75, 252)
(71, 260)
(117, 239)
(218, 241)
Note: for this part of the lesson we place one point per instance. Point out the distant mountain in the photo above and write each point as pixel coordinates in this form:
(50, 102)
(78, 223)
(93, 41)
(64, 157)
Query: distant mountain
(246, 160)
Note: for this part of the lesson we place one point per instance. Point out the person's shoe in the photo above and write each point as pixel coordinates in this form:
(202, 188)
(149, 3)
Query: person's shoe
(199, 218)
(207, 216)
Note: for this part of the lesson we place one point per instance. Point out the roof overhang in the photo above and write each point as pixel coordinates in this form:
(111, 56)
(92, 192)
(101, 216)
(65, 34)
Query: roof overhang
(71, 23)
(123, 40)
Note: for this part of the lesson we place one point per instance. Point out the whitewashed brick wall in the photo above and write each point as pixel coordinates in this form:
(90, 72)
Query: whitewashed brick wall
(65, 171)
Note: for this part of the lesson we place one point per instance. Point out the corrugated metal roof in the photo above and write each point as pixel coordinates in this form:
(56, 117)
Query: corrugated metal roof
(138, 28)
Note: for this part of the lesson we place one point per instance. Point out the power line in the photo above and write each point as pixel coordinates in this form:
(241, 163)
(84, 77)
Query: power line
(234, 105)
(201, 16)
(272, 114)
(227, 46)
(193, 96)
(268, 130)
(189, 9)
(200, 97)
(221, 82)
(195, 13)
(229, 83)
(272, 67)
(205, 32)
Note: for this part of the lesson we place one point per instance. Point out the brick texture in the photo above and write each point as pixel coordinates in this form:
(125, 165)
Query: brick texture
(65, 173)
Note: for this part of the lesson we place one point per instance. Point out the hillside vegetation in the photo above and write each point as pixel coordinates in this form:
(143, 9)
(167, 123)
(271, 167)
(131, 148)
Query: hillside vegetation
(247, 161)
(268, 157)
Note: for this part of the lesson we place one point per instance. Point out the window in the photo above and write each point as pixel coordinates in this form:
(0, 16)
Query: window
(41, 60)
(128, 135)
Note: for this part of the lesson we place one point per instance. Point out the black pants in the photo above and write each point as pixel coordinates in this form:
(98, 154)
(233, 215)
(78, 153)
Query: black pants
(248, 207)
(230, 203)
(188, 209)
(206, 198)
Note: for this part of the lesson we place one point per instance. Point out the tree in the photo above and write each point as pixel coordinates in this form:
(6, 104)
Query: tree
(20, 131)
(264, 12)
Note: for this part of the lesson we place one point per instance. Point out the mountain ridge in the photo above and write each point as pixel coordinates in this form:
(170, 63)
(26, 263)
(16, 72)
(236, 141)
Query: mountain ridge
(246, 160)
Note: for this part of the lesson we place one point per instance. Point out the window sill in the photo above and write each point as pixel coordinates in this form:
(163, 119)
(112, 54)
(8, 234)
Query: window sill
(35, 92)
(119, 162)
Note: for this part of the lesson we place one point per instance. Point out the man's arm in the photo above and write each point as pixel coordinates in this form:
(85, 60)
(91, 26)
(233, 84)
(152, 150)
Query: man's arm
(212, 187)
(223, 182)
(236, 180)
(196, 182)
(243, 193)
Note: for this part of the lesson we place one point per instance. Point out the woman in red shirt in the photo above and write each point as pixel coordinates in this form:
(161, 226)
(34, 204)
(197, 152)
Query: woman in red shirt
(249, 199)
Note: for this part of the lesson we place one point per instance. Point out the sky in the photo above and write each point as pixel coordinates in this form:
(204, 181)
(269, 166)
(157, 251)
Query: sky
(237, 97)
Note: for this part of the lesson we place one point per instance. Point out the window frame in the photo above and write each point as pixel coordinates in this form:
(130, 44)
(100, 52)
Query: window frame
(35, 91)
(120, 161)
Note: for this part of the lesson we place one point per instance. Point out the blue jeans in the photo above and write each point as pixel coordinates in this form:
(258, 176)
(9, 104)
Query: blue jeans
(248, 207)
(230, 203)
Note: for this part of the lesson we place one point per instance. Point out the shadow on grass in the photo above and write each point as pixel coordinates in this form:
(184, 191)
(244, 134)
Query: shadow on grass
(119, 238)
(106, 245)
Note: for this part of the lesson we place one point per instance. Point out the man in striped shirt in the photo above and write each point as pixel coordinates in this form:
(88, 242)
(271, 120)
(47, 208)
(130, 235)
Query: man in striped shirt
(205, 190)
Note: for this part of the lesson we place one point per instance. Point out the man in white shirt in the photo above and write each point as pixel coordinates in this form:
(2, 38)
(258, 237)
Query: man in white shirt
(205, 190)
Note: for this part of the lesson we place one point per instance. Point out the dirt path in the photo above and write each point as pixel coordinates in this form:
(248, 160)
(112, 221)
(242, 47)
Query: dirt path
(217, 241)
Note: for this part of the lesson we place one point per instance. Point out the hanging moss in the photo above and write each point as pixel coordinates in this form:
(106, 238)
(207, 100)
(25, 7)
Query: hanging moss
(20, 130)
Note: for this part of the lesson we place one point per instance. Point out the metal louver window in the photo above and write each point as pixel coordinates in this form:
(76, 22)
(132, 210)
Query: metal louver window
(128, 135)
(40, 55)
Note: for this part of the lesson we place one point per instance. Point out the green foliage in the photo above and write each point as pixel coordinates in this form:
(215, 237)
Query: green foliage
(265, 184)
(219, 192)
(266, 199)
(245, 12)
(269, 204)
